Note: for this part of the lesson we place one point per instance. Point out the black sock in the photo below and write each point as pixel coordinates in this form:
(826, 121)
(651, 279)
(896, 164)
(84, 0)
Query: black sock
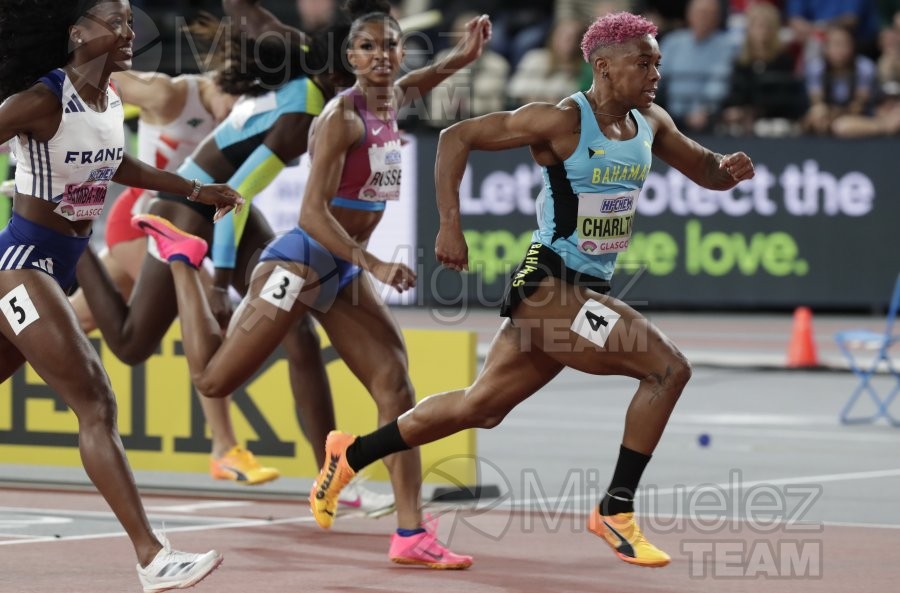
(375, 445)
(619, 497)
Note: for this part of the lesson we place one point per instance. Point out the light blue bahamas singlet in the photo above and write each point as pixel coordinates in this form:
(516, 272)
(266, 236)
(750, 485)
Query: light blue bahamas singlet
(587, 206)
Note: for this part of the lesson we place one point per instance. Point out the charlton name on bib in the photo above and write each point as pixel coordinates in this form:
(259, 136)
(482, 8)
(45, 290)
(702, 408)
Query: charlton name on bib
(605, 222)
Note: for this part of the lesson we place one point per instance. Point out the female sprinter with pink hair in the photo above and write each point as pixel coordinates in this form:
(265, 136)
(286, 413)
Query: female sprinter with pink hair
(557, 307)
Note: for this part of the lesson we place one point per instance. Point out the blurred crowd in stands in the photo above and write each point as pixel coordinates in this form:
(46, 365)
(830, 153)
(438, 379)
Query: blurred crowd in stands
(733, 67)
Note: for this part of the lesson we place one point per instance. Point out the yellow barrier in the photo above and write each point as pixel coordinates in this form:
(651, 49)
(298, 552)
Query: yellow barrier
(163, 429)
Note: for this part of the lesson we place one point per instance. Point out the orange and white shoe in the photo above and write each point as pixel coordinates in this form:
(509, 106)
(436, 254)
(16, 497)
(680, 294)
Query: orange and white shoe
(337, 473)
(239, 465)
(624, 536)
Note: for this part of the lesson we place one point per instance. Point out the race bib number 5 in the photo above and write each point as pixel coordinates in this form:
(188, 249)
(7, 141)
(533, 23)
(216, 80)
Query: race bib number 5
(605, 222)
(18, 309)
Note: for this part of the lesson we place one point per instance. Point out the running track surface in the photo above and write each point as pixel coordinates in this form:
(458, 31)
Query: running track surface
(777, 429)
(274, 546)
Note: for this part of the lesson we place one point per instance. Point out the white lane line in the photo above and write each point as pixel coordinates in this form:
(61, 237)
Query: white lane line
(761, 432)
(197, 506)
(108, 515)
(230, 525)
(20, 536)
(644, 492)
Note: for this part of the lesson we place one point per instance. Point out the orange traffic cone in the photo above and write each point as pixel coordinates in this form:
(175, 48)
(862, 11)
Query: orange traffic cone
(802, 350)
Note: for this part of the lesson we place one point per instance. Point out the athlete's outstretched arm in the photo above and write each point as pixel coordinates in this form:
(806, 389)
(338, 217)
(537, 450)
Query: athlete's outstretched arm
(256, 20)
(153, 92)
(701, 165)
(134, 173)
(534, 124)
(419, 83)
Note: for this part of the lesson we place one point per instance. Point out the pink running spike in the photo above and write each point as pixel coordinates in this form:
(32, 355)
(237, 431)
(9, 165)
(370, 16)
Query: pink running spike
(172, 243)
(424, 549)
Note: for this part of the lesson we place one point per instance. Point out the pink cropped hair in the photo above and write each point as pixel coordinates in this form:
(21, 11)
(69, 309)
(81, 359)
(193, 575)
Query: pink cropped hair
(614, 29)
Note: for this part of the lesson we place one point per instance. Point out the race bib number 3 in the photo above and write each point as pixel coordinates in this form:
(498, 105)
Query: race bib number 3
(18, 309)
(605, 222)
(282, 288)
(594, 322)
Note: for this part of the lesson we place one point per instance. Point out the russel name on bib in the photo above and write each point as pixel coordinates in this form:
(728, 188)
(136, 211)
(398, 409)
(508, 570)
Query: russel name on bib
(385, 165)
(605, 222)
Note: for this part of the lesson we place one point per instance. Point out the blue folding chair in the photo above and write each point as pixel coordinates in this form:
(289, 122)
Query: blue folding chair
(850, 343)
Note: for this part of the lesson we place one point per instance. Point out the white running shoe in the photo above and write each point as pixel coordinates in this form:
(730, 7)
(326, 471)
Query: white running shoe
(171, 569)
(354, 496)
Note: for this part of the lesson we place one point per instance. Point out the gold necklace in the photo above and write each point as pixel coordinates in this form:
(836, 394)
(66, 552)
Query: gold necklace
(612, 115)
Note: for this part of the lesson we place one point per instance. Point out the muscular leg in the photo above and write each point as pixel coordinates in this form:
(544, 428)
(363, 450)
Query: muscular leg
(62, 355)
(309, 384)
(218, 364)
(10, 359)
(369, 341)
(130, 257)
(635, 348)
(549, 333)
(122, 269)
(509, 376)
(524, 356)
(134, 329)
(309, 381)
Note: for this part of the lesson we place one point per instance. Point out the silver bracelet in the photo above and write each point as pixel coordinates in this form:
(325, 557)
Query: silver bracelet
(196, 191)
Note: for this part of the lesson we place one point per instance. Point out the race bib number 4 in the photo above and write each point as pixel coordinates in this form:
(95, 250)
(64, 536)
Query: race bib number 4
(594, 322)
(605, 222)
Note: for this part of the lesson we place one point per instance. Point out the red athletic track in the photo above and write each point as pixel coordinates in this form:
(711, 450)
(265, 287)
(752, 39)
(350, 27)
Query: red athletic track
(288, 553)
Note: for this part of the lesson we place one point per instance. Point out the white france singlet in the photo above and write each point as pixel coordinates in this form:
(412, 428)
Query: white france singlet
(74, 168)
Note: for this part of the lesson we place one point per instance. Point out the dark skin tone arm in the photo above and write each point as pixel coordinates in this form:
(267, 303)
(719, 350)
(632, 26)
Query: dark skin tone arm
(37, 112)
(338, 129)
(552, 133)
(419, 83)
(702, 166)
(537, 125)
(253, 18)
(134, 173)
